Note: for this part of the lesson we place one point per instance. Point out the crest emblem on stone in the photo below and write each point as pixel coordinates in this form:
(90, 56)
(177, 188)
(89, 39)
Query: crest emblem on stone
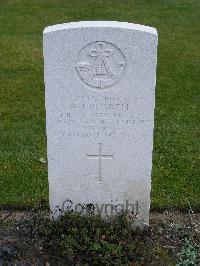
(100, 64)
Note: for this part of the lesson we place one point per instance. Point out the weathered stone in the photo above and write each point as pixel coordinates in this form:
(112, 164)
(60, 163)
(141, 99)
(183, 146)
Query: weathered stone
(100, 88)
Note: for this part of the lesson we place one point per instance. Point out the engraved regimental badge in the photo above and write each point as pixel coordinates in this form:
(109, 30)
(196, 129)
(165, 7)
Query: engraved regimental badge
(100, 64)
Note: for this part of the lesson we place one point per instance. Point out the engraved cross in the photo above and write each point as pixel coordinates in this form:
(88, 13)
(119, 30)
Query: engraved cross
(100, 156)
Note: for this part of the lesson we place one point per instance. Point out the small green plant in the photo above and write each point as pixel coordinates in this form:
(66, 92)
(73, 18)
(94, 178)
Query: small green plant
(189, 253)
(87, 239)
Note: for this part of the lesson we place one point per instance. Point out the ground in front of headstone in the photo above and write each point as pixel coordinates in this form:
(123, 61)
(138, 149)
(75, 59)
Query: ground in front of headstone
(29, 238)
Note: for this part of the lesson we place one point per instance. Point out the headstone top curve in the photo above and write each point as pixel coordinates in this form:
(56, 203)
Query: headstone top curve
(100, 24)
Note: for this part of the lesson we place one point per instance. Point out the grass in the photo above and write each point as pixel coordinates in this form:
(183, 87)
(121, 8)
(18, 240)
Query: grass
(176, 165)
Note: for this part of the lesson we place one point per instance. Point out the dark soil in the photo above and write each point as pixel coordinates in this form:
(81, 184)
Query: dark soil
(173, 239)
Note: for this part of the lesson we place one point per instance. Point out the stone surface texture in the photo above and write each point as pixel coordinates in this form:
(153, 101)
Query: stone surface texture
(100, 95)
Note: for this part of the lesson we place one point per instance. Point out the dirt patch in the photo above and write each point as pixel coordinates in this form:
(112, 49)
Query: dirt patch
(173, 237)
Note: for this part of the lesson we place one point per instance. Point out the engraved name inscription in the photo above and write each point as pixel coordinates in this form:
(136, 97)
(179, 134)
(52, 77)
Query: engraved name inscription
(96, 116)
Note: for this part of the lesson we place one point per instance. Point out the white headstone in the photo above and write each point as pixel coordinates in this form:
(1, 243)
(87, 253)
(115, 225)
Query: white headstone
(100, 86)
